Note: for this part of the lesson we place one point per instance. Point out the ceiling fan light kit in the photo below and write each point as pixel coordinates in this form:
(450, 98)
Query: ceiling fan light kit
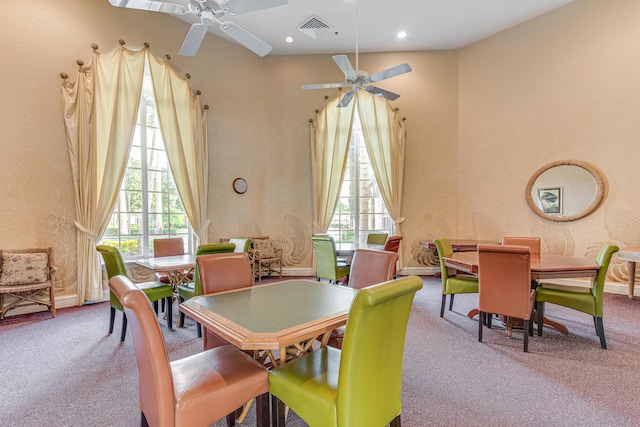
(360, 79)
(209, 12)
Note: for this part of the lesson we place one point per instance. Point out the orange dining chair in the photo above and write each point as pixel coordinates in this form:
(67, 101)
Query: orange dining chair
(533, 243)
(197, 390)
(219, 273)
(368, 267)
(504, 285)
(168, 247)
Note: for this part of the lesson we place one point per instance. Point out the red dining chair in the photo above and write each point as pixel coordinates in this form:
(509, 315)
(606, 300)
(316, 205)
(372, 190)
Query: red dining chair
(504, 285)
(197, 390)
(219, 273)
(168, 247)
(393, 244)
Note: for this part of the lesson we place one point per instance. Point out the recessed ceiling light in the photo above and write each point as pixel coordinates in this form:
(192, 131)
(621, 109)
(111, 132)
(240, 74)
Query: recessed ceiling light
(402, 35)
(289, 39)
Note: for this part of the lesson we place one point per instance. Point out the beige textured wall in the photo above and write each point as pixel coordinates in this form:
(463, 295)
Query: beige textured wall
(563, 86)
(479, 122)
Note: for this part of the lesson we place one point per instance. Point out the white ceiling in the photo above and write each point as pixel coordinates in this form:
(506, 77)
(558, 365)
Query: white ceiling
(430, 24)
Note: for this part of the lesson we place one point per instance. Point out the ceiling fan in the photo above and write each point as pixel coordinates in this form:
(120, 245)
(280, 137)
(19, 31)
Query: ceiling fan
(209, 11)
(359, 79)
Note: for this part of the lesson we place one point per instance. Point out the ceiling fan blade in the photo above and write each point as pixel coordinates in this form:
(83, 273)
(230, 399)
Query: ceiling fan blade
(194, 38)
(153, 5)
(384, 93)
(237, 7)
(245, 38)
(346, 99)
(322, 86)
(390, 72)
(342, 61)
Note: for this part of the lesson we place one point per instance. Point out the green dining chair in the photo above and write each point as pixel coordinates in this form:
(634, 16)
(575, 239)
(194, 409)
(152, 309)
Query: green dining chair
(155, 291)
(192, 289)
(452, 284)
(377, 238)
(359, 385)
(327, 264)
(585, 299)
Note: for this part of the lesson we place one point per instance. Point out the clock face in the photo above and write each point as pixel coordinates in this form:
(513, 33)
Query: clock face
(239, 185)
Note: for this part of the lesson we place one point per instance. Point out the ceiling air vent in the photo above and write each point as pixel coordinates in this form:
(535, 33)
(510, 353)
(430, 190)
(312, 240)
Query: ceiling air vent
(313, 26)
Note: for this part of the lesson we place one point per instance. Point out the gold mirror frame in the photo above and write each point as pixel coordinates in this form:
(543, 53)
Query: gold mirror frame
(599, 196)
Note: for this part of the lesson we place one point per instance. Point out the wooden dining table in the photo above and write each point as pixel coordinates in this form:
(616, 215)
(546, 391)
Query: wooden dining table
(286, 316)
(543, 266)
(461, 245)
(632, 256)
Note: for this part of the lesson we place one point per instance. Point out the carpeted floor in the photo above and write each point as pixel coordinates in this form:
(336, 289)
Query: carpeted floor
(68, 371)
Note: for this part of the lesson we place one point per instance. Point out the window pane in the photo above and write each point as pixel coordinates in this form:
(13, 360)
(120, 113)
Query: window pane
(360, 208)
(148, 205)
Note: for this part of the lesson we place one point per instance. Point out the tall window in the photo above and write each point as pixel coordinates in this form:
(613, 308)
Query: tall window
(360, 209)
(148, 205)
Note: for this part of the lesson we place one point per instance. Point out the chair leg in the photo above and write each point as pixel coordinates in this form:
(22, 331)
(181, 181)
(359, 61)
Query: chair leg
(262, 410)
(540, 306)
(600, 330)
(181, 314)
(124, 327)
(277, 412)
(199, 329)
(481, 318)
(451, 302)
(395, 422)
(163, 306)
(169, 313)
(231, 419)
(112, 319)
(526, 335)
(155, 306)
(444, 302)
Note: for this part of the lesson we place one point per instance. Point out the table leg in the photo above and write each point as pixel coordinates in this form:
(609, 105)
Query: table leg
(632, 277)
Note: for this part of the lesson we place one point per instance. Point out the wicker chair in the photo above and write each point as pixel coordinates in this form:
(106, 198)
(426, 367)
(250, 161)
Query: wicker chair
(25, 274)
(267, 257)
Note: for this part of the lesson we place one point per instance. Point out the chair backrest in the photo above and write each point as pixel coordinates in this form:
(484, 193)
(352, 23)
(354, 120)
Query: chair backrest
(504, 280)
(214, 248)
(326, 258)
(393, 243)
(444, 248)
(114, 264)
(113, 261)
(242, 245)
(168, 247)
(154, 373)
(603, 260)
(533, 243)
(265, 248)
(224, 272)
(377, 238)
(369, 267)
(370, 381)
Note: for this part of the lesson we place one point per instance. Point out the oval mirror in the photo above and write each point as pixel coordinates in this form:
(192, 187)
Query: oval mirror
(565, 190)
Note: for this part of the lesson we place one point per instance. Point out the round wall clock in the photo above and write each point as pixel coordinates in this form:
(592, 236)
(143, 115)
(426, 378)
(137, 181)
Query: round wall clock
(239, 185)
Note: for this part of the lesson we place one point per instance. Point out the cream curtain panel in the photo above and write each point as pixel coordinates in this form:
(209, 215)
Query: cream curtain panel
(184, 129)
(100, 110)
(384, 137)
(330, 135)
